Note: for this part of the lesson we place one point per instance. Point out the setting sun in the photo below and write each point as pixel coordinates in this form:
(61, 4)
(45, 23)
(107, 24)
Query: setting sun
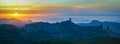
(16, 14)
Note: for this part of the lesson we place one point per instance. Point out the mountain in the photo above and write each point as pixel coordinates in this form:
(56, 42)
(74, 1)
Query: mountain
(114, 26)
(65, 29)
(12, 21)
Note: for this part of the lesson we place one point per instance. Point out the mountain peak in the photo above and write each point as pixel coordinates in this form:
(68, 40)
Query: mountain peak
(95, 21)
(68, 22)
(70, 19)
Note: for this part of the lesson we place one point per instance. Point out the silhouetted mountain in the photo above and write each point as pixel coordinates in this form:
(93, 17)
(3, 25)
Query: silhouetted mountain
(114, 26)
(65, 29)
(12, 21)
(113, 30)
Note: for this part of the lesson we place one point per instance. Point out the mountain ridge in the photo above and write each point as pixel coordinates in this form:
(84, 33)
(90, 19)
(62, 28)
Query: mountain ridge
(61, 30)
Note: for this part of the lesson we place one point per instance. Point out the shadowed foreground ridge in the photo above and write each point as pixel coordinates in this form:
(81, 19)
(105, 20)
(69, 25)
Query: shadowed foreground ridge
(65, 32)
(90, 41)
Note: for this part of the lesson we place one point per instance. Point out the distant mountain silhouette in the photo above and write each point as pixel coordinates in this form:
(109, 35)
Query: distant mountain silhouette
(113, 30)
(65, 29)
(114, 26)
(12, 21)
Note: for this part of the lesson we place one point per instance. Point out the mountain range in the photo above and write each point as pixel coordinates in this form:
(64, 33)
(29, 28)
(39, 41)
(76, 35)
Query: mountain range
(61, 30)
(65, 29)
(14, 21)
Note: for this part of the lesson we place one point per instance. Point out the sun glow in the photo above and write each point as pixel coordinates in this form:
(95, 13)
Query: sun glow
(16, 14)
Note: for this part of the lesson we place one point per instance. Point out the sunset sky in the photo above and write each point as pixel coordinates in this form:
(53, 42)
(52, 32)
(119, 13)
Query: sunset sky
(84, 3)
(57, 10)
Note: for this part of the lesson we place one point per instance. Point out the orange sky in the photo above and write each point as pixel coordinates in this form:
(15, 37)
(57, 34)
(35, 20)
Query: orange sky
(25, 16)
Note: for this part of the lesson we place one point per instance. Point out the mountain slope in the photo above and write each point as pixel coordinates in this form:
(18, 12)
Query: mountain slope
(12, 21)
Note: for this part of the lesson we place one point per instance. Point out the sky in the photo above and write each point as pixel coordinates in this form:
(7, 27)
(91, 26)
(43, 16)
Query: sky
(87, 3)
(51, 10)
(64, 3)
